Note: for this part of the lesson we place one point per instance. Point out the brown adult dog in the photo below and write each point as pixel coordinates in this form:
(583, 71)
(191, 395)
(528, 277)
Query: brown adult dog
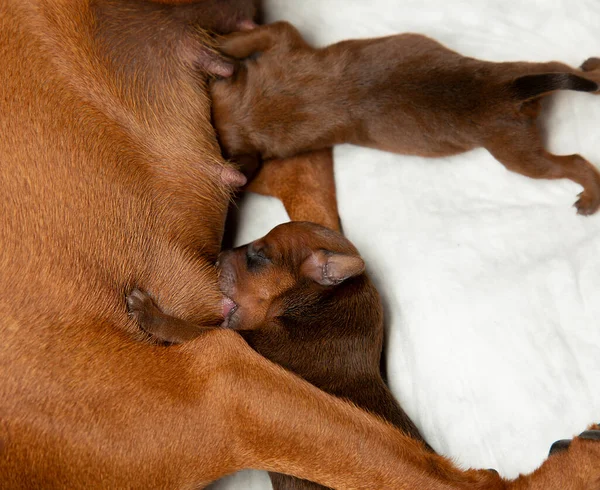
(112, 179)
(406, 94)
(303, 300)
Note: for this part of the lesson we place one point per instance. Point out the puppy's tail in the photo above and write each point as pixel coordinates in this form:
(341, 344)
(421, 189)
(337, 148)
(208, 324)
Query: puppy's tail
(529, 87)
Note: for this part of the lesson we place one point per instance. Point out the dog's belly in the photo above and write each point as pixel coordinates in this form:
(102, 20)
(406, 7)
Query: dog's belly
(105, 187)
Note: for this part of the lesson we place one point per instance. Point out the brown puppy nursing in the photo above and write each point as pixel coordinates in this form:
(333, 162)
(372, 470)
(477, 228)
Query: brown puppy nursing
(302, 299)
(405, 94)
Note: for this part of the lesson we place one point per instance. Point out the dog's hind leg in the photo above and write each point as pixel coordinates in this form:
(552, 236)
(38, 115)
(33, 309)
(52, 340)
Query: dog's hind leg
(294, 433)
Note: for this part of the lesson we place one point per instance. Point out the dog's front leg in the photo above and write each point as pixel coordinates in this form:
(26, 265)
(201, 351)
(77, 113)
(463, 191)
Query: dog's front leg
(277, 422)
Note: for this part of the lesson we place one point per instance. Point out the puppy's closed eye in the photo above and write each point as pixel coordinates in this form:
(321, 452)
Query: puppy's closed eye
(256, 257)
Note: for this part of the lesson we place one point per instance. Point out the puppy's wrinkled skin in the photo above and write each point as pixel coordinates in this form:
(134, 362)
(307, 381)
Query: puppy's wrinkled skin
(405, 94)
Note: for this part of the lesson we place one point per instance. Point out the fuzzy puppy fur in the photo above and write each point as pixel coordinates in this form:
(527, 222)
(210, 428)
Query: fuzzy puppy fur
(405, 94)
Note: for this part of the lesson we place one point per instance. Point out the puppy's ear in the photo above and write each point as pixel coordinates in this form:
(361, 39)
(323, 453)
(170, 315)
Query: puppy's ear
(328, 268)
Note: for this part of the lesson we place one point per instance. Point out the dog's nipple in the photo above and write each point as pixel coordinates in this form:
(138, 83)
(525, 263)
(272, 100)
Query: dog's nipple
(233, 177)
(246, 25)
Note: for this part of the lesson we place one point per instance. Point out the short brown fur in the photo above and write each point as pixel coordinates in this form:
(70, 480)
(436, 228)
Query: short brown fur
(405, 94)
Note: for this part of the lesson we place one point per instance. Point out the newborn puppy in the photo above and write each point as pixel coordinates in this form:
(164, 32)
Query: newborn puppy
(405, 94)
(301, 298)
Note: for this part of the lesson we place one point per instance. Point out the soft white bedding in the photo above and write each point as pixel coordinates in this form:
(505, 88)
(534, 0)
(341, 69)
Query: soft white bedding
(491, 281)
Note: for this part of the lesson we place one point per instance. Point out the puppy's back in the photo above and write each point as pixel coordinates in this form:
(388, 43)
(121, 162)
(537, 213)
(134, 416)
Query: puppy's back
(334, 340)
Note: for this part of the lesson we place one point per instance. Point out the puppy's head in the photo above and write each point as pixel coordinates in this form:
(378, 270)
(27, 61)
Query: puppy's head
(299, 260)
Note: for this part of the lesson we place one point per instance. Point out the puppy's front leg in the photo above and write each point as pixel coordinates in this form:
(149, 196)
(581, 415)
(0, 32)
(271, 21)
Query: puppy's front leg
(279, 35)
(152, 320)
(305, 185)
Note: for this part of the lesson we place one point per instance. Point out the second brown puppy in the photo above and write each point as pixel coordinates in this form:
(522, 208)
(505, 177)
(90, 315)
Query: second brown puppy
(301, 298)
(405, 94)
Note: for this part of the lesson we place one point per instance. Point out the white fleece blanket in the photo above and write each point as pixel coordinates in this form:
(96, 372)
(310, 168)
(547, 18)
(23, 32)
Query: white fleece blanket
(491, 281)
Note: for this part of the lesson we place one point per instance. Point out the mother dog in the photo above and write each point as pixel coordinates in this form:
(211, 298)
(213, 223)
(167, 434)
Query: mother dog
(111, 179)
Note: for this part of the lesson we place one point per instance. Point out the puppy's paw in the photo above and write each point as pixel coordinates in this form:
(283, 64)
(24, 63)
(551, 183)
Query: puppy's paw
(588, 203)
(253, 40)
(238, 45)
(591, 64)
(141, 307)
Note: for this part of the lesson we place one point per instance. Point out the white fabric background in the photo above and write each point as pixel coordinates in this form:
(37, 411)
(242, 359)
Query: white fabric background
(491, 281)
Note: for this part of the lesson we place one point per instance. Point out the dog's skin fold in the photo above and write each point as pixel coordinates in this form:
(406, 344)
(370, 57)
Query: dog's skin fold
(112, 179)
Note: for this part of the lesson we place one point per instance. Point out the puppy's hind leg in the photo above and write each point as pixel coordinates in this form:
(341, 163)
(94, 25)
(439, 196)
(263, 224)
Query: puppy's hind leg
(591, 68)
(521, 151)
